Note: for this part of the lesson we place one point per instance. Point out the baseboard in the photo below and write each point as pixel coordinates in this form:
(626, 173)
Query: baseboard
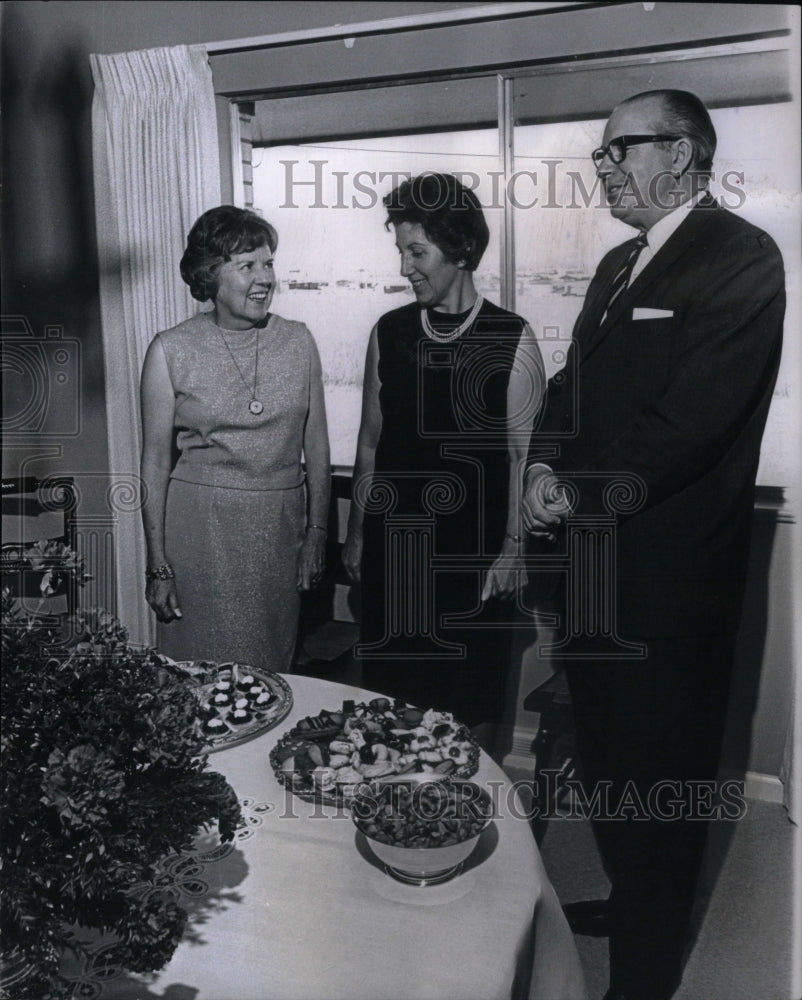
(519, 762)
(758, 786)
(341, 608)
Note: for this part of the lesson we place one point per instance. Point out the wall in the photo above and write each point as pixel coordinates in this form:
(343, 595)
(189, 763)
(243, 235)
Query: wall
(604, 30)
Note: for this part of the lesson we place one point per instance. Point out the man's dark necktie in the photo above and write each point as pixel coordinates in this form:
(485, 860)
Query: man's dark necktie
(621, 279)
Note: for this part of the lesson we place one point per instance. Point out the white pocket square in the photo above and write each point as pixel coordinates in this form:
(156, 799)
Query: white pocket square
(643, 313)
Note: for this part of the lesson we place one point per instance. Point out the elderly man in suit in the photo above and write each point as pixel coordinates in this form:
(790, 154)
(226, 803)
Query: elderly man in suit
(668, 384)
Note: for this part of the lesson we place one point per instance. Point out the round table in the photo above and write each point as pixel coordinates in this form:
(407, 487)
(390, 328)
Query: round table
(299, 908)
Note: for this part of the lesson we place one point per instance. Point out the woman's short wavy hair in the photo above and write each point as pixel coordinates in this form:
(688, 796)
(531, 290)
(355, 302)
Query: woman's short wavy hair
(450, 214)
(214, 238)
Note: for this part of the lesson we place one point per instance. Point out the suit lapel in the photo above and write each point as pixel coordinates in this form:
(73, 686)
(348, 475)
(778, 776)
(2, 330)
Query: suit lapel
(673, 248)
(676, 246)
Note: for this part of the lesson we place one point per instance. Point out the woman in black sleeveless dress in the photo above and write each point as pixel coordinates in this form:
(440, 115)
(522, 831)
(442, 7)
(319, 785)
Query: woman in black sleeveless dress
(452, 386)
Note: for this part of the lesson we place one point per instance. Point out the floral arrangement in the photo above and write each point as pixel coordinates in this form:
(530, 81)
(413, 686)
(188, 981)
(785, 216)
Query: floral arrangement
(102, 776)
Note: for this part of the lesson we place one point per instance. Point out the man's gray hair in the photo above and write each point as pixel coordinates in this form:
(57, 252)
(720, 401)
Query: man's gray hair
(683, 113)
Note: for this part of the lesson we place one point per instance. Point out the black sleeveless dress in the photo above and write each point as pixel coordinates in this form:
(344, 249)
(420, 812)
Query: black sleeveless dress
(435, 514)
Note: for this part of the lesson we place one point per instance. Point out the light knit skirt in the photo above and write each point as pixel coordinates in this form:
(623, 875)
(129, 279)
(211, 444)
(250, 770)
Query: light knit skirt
(234, 553)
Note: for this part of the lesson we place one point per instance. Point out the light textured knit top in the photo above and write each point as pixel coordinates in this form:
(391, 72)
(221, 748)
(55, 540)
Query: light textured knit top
(221, 442)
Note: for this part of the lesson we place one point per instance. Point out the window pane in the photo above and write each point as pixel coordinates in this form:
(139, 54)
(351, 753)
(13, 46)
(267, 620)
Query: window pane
(558, 240)
(337, 266)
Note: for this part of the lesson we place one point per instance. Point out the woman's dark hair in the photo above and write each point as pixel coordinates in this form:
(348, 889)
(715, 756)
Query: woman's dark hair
(450, 214)
(215, 237)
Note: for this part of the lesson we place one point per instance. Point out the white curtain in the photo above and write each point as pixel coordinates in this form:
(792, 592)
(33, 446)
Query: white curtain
(156, 169)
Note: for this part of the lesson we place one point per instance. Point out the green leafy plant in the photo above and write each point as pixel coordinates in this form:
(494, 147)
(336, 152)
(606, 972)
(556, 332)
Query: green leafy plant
(102, 775)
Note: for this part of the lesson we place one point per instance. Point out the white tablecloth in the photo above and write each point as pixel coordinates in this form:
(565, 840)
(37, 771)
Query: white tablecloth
(300, 909)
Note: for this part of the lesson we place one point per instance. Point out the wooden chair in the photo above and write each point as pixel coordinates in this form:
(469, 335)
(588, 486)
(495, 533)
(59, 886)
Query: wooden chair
(39, 511)
(328, 626)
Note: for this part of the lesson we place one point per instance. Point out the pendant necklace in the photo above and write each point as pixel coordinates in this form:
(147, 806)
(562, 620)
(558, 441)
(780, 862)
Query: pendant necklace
(255, 405)
(445, 338)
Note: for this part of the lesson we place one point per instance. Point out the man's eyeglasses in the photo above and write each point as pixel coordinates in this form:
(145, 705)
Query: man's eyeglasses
(617, 148)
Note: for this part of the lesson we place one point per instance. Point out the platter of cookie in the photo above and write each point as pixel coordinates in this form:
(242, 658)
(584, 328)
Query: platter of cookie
(326, 757)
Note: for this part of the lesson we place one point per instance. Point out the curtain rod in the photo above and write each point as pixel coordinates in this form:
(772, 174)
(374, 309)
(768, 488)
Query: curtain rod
(406, 22)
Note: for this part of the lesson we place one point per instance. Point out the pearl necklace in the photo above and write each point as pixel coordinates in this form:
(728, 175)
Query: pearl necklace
(445, 338)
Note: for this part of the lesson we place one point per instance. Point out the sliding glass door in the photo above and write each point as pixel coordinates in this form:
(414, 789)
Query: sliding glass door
(323, 162)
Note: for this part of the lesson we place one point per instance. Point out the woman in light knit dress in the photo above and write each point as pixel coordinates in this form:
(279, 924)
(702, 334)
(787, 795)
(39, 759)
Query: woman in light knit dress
(234, 529)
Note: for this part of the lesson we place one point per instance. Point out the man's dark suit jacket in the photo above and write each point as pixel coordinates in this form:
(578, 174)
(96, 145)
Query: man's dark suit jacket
(678, 398)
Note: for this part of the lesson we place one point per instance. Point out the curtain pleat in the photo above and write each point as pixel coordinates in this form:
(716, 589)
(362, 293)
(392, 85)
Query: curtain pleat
(156, 165)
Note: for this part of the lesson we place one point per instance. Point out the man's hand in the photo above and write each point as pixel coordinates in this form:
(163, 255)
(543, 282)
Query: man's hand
(544, 504)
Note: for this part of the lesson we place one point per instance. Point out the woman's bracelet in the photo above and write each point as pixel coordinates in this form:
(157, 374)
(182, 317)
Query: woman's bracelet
(514, 538)
(163, 572)
(317, 527)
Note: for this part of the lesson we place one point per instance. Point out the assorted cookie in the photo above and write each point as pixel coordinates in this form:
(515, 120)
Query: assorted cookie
(327, 756)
